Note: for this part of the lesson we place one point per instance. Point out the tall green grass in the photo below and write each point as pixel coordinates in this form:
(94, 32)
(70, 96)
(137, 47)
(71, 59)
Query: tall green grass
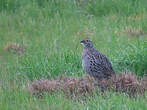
(22, 100)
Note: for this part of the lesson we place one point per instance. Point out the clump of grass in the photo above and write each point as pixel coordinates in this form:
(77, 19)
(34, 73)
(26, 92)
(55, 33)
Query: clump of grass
(133, 32)
(71, 86)
(144, 81)
(74, 87)
(14, 47)
(133, 58)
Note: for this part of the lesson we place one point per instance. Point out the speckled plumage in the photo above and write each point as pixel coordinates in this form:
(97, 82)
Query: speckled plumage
(94, 62)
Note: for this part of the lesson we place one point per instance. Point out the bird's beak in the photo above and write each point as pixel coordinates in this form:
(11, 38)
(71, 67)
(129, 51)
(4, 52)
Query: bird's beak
(82, 41)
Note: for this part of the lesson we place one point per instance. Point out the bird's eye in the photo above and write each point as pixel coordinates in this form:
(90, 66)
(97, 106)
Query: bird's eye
(86, 40)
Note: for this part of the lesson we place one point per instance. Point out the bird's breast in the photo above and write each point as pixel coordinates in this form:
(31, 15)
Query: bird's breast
(86, 63)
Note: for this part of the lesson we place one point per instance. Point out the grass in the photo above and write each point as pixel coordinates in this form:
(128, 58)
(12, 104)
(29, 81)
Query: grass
(51, 31)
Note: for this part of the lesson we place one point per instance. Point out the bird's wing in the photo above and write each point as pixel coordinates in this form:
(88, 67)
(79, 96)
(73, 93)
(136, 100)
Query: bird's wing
(101, 63)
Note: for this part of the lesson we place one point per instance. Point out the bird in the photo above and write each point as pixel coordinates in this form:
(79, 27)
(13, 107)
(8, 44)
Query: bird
(94, 62)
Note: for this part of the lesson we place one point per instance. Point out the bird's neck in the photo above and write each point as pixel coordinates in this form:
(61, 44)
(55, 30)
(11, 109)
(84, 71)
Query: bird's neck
(90, 49)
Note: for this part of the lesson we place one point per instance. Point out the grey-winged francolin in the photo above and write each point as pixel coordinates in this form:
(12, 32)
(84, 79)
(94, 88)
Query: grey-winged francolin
(94, 62)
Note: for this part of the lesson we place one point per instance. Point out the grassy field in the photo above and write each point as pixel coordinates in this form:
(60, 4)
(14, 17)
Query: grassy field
(51, 30)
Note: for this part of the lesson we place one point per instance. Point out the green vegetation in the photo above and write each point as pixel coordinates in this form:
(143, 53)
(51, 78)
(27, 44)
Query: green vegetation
(51, 31)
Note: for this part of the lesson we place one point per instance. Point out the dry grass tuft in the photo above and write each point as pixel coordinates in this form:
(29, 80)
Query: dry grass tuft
(126, 83)
(122, 83)
(78, 86)
(134, 32)
(144, 82)
(40, 86)
(17, 48)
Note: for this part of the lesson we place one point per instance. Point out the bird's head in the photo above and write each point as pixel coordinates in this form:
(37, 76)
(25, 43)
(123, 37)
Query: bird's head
(87, 43)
